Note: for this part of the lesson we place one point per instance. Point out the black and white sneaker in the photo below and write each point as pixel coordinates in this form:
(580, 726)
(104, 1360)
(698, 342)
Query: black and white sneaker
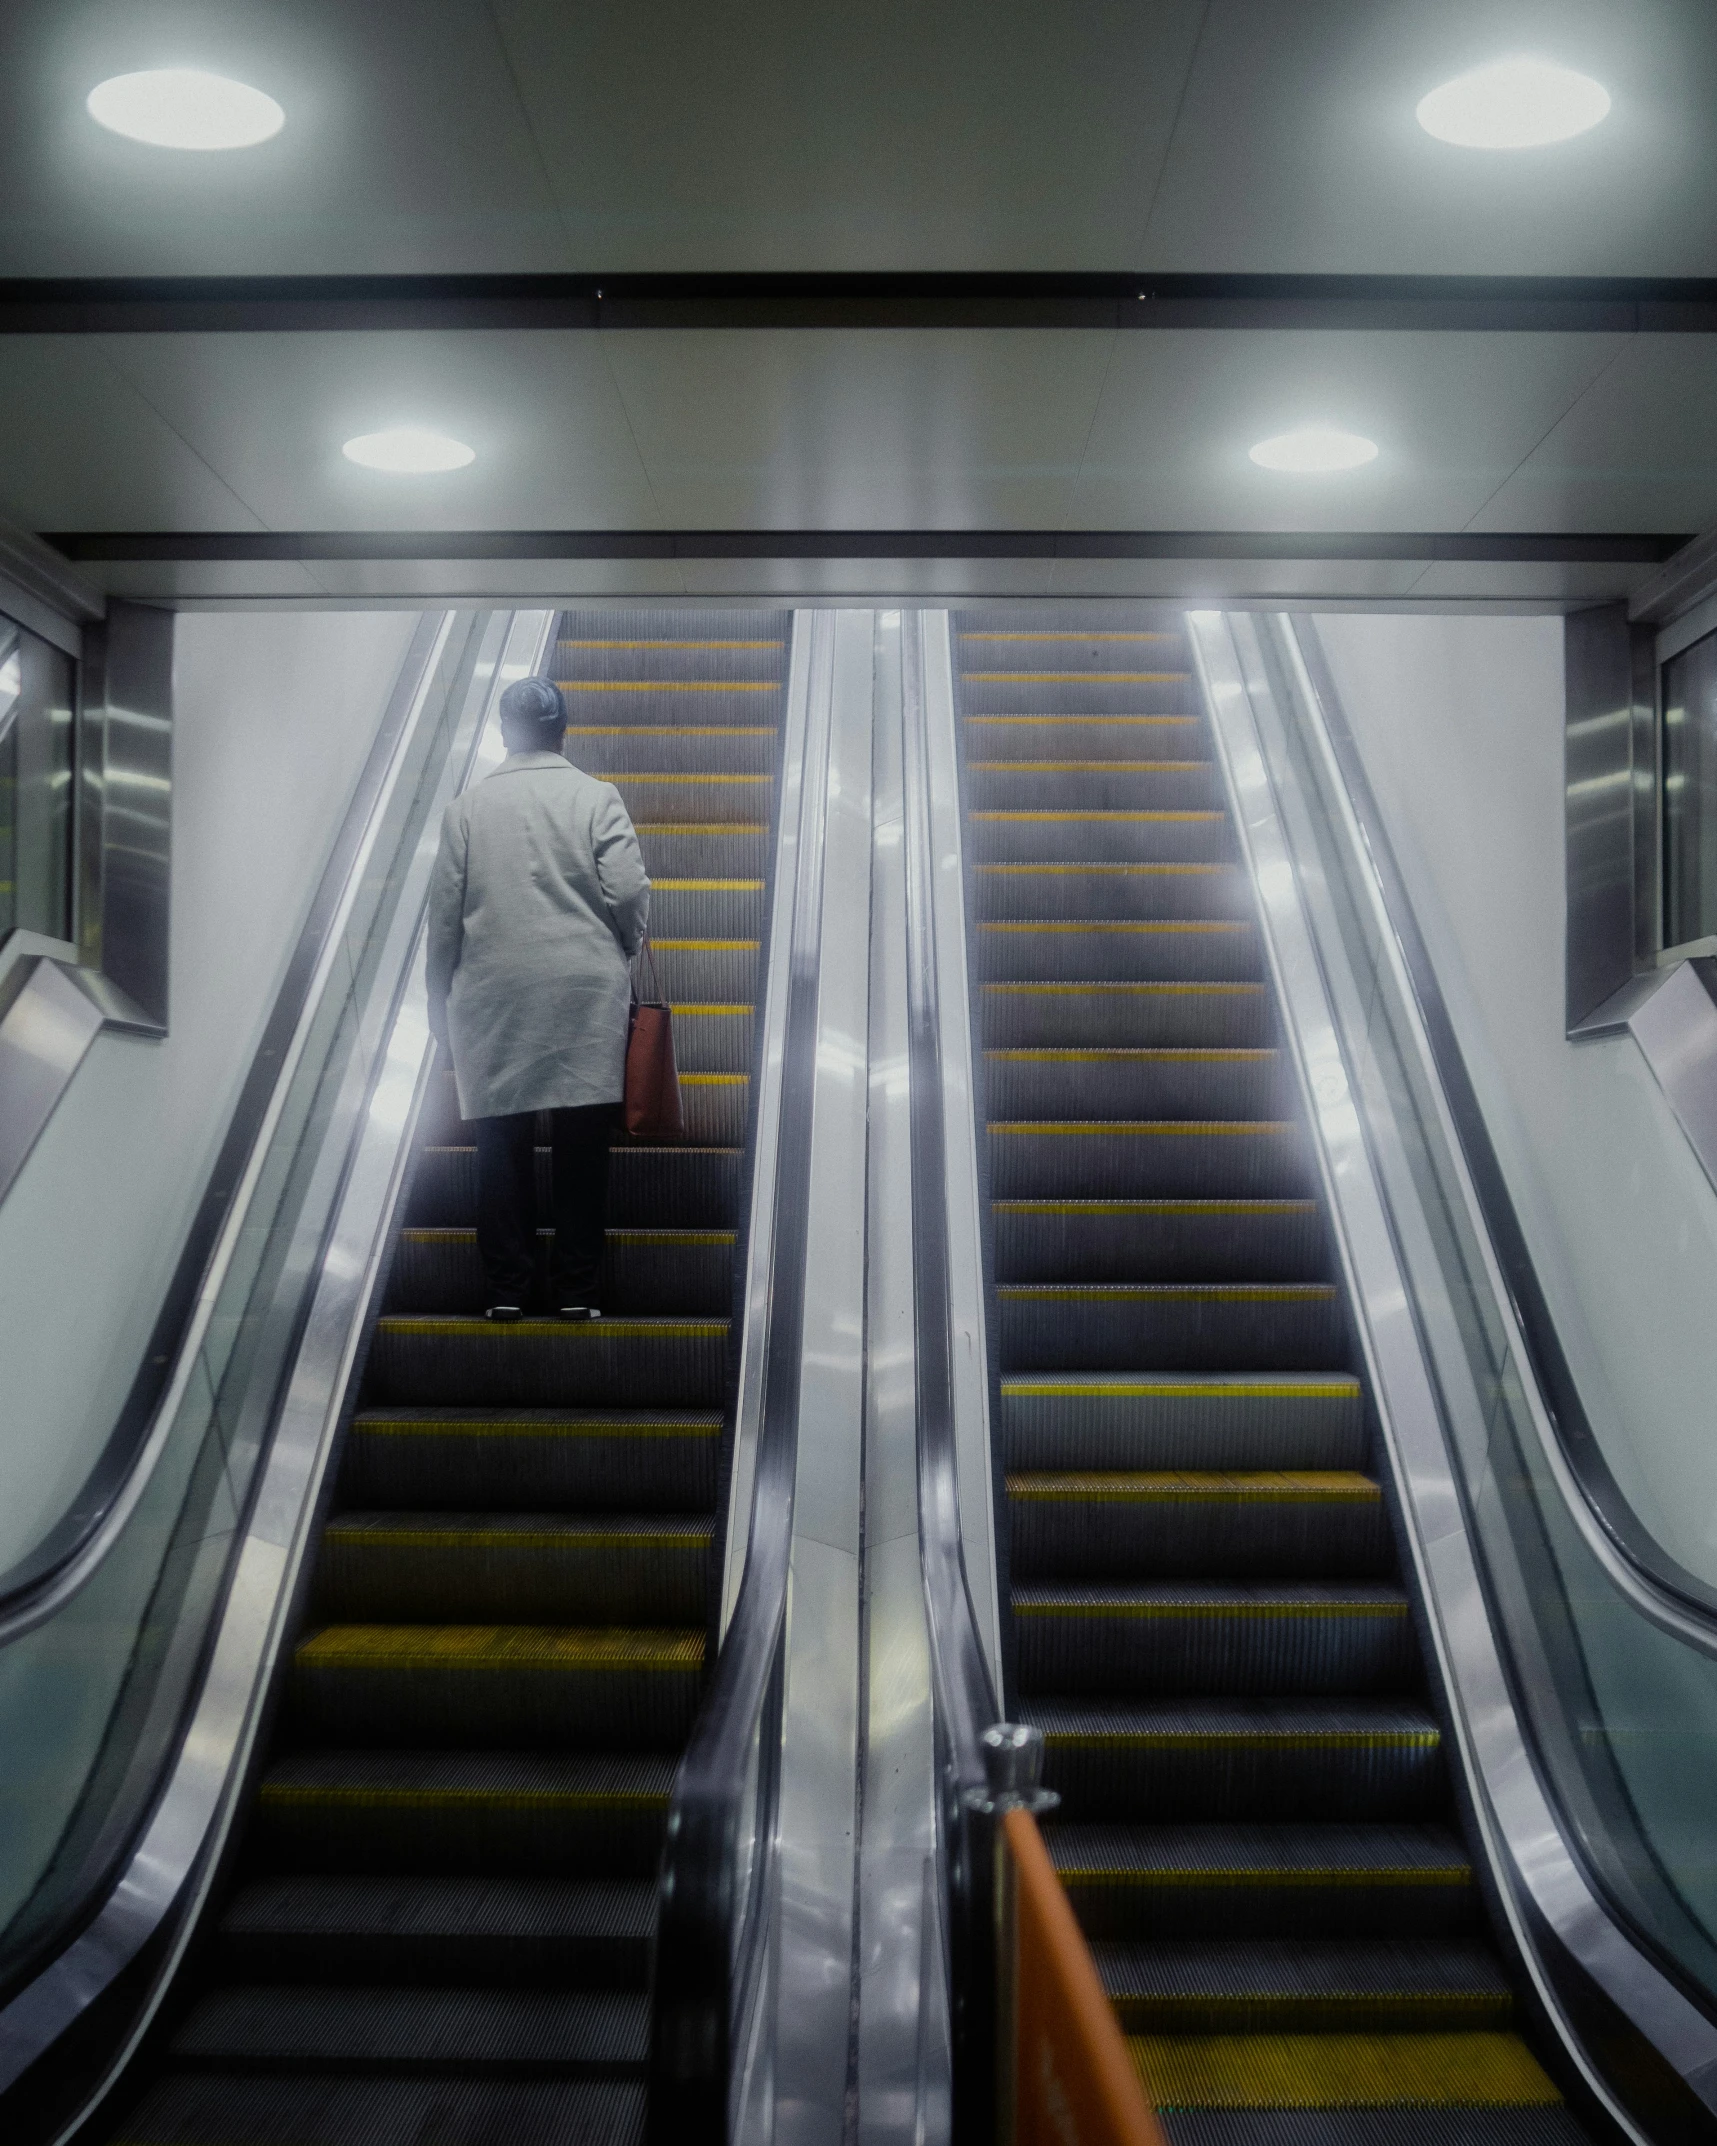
(504, 1314)
(579, 1312)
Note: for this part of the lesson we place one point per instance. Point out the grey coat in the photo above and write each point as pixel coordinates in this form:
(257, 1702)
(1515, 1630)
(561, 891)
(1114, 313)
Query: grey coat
(538, 901)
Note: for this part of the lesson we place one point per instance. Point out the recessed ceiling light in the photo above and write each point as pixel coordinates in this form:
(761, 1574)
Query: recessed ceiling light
(1315, 447)
(1516, 103)
(408, 450)
(183, 108)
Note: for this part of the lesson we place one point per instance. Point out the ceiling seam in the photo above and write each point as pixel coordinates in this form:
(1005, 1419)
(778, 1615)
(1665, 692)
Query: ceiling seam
(1174, 128)
(1555, 423)
(550, 191)
(1085, 452)
(638, 450)
(232, 491)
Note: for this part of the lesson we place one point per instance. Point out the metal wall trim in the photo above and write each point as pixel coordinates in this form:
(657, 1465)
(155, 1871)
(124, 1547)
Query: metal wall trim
(1521, 1835)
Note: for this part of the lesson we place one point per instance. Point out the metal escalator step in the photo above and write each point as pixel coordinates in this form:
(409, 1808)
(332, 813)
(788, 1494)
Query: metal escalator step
(1122, 1015)
(514, 1568)
(516, 2033)
(1367, 1987)
(713, 1036)
(707, 907)
(555, 1932)
(1166, 1420)
(1045, 837)
(1148, 1158)
(715, 1096)
(598, 702)
(204, 2108)
(1090, 1241)
(1182, 1523)
(1110, 890)
(1082, 737)
(707, 969)
(709, 849)
(1547, 2126)
(1118, 950)
(1030, 690)
(648, 1187)
(1265, 1881)
(476, 1813)
(1156, 1326)
(1006, 634)
(1428, 2070)
(542, 1363)
(667, 645)
(496, 1686)
(531, 1459)
(1106, 785)
(1291, 1639)
(1127, 1081)
(1353, 1759)
(674, 748)
(700, 799)
(646, 1274)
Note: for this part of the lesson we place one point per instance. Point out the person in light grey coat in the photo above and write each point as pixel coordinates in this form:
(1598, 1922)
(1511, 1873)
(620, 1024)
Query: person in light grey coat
(538, 902)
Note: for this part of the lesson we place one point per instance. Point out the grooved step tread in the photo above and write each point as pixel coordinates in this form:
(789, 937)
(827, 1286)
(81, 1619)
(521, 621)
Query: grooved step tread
(209, 2108)
(466, 1779)
(476, 1649)
(1209, 1598)
(517, 1531)
(1197, 1987)
(326, 2025)
(1145, 1128)
(1258, 1856)
(1272, 1486)
(534, 1423)
(1218, 1723)
(1207, 1386)
(574, 1333)
(1341, 2071)
(425, 1909)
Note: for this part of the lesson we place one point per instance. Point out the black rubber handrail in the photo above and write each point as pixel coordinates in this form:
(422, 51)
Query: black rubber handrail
(711, 1926)
(36, 1574)
(1632, 1539)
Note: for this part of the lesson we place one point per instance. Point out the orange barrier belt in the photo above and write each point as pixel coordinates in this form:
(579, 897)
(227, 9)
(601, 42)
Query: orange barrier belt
(1073, 2081)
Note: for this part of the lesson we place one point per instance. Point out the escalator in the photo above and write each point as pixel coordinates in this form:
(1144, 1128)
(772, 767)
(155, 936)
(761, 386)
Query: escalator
(441, 1915)
(1257, 1826)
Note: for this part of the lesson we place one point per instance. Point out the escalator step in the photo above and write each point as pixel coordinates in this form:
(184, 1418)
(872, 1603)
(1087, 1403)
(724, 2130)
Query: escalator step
(1359, 1988)
(526, 1568)
(1118, 950)
(1265, 1881)
(1190, 836)
(1225, 1759)
(315, 2109)
(701, 799)
(705, 968)
(1034, 691)
(648, 1187)
(551, 1931)
(1166, 1420)
(1157, 1158)
(703, 849)
(1110, 890)
(1182, 1523)
(447, 1813)
(1081, 737)
(1427, 2070)
(542, 1363)
(1085, 1241)
(705, 702)
(1296, 1640)
(579, 2034)
(674, 748)
(528, 1459)
(707, 908)
(1546, 2126)
(1187, 1326)
(496, 1686)
(1109, 785)
(659, 1273)
(663, 647)
(1133, 1015)
(1124, 1081)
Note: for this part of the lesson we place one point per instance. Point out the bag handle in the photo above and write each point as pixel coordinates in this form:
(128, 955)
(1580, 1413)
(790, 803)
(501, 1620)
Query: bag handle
(645, 953)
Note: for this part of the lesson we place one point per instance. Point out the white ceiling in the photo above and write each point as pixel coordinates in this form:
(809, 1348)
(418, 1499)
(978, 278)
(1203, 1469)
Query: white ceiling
(526, 135)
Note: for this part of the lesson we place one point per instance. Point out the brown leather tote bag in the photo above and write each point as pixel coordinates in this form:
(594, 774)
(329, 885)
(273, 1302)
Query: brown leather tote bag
(652, 1081)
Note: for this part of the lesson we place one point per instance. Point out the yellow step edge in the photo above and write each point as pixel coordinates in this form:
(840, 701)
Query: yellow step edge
(1280, 1486)
(1086, 767)
(670, 685)
(672, 730)
(1099, 871)
(708, 886)
(1147, 1610)
(1140, 816)
(700, 827)
(1062, 633)
(1340, 1389)
(1075, 927)
(1163, 1128)
(1159, 990)
(708, 1009)
(566, 1330)
(1155, 1210)
(289, 1795)
(706, 946)
(568, 1538)
(1162, 1292)
(518, 1427)
(1436, 2069)
(670, 644)
(1104, 719)
(1234, 1739)
(507, 1646)
(1220, 1054)
(715, 1080)
(1075, 678)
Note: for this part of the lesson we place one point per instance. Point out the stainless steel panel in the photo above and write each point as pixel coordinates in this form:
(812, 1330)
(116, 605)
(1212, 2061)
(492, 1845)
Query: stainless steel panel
(1688, 780)
(1598, 761)
(129, 672)
(44, 1032)
(1676, 1029)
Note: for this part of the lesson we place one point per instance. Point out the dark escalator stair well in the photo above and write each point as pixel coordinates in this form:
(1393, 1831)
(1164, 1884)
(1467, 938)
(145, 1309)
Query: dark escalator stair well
(441, 1927)
(1256, 1829)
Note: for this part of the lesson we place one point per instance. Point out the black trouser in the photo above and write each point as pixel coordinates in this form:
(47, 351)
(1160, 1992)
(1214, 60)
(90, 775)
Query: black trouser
(507, 1203)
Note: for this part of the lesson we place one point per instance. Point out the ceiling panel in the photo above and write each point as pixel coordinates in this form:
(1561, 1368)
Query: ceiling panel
(81, 449)
(1549, 580)
(1638, 451)
(1222, 580)
(405, 147)
(1453, 416)
(872, 580)
(488, 580)
(270, 413)
(973, 134)
(1297, 146)
(859, 428)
